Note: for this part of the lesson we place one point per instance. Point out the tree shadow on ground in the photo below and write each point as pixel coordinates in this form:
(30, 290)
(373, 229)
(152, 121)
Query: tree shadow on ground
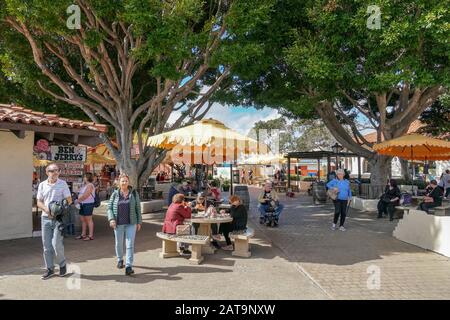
(24, 255)
(154, 273)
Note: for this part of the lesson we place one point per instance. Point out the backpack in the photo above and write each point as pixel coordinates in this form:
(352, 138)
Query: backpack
(97, 201)
(405, 199)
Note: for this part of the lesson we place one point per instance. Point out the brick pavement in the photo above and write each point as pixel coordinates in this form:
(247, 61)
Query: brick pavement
(338, 261)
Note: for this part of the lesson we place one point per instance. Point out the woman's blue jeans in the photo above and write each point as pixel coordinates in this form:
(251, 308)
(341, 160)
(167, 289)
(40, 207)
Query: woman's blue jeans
(125, 232)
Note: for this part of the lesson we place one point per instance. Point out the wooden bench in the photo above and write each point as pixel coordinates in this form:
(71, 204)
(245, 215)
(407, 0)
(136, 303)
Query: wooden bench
(241, 242)
(169, 245)
(439, 211)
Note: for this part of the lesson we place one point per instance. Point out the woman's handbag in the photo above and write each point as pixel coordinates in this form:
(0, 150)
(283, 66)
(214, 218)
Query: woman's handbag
(385, 198)
(333, 193)
(183, 230)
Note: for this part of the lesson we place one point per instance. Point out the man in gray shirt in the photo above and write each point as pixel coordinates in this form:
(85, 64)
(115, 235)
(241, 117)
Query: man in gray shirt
(52, 189)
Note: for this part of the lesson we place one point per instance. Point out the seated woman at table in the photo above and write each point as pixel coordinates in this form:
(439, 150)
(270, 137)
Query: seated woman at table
(177, 212)
(215, 192)
(239, 214)
(432, 198)
(389, 199)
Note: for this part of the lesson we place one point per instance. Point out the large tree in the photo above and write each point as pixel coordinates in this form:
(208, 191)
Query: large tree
(131, 63)
(294, 135)
(327, 62)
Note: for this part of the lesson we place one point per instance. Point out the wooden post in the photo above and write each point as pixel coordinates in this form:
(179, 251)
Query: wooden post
(231, 181)
(289, 173)
(318, 169)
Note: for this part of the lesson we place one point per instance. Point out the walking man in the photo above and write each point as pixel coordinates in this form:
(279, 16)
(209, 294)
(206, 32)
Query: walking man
(52, 190)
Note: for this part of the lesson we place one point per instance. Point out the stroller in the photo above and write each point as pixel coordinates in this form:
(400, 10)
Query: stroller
(270, 219)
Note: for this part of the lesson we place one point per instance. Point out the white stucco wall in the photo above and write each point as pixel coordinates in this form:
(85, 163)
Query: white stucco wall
(16, 174)
(425, 230)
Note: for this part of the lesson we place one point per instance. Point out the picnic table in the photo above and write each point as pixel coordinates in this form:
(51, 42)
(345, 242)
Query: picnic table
(205, 227)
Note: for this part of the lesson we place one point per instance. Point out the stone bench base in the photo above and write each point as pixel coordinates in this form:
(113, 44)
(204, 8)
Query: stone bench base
(169, 246)
(241, 242)
(440, 211)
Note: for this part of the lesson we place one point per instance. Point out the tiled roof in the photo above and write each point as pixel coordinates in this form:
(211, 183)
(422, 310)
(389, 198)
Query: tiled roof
(17, 114)
(413, 128)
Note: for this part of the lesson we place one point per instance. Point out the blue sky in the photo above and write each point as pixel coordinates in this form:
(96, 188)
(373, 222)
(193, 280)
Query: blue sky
(237, 118)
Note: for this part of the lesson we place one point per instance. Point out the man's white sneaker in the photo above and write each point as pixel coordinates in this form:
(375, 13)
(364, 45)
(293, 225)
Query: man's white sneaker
(342, 228)
(333, 227)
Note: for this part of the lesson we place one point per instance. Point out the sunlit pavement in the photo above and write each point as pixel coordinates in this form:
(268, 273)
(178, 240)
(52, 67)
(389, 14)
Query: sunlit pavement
(301, 259)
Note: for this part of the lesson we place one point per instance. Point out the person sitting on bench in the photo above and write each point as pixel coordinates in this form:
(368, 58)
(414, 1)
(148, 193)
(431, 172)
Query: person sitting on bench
(176, 213)
(433, 198)
(389, 199)
(239, 214)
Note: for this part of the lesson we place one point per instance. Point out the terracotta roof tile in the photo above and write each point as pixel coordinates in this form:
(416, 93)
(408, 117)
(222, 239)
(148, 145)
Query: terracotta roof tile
(17, 114)
(413, 128)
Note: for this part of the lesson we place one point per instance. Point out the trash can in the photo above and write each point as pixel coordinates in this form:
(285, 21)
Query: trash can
(319, 192)
(242, 192)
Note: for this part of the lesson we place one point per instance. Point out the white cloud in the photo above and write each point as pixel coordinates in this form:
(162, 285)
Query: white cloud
(237, 118)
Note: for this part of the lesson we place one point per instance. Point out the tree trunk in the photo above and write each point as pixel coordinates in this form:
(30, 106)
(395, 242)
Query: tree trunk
(405, 171)
(379, 168)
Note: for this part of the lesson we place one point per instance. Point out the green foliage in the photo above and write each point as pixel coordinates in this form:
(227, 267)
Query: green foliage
(296, 135)
(314, 49)
(437, 117)
(173, 32)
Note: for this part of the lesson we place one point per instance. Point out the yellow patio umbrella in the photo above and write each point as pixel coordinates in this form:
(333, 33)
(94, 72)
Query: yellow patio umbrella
(40, 162)
(95, 158)
(413, 146)
(209, 139)
(206, 137)
(102, 150)
(265, 159)
(431, 157)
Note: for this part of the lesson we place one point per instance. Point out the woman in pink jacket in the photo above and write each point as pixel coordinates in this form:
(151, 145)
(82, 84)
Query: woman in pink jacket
(176, 213)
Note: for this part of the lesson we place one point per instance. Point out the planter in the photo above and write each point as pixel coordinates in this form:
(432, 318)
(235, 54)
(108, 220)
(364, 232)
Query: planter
(226, 188)
(369, 205)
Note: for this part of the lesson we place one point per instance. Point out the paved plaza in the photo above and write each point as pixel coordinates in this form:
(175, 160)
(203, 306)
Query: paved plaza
(301, 259)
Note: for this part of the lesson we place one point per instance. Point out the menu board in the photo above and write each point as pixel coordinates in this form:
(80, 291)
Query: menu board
(72, 173)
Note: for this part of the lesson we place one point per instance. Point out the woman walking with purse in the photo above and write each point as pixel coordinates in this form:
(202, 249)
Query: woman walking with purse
(124, 216)
(344, 196)
(87, 204)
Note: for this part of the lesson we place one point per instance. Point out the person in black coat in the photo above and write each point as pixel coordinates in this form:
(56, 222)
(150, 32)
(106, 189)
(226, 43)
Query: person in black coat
(389, 199)
(433, 198)
(239, 214)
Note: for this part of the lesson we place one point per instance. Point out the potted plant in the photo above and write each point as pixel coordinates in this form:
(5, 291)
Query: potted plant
(226, 185)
